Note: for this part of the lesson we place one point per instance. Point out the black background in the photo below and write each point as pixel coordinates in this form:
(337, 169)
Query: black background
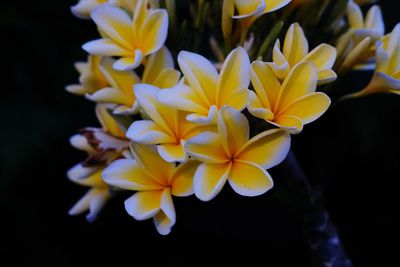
(353, 151)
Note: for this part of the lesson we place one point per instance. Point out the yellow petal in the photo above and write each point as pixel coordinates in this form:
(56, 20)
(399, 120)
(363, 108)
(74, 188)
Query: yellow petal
(209, 180)
(86, 176)
(356, 55)
(323, 56)
(144, 205)
(201, 75)
(234, 129)
(93, 200)
(128, 174)
(228, 9)
(374, 20)
(148, 132)
(266, 84)
(234, 75)
(155, 166)
(130, 62)
(273, 5)
(121, 80)
(156, 64)
(266, 149)
(301, 81)
(354, 15)
(108, 122)
(184, 98)
(182, 180)
(207, 147)
(167, 78)
(257, 109)
(291, 124)
(308, 108)
(295, 46)
(162, 115)
(326, 76)
(247, 8)
(249, 179)
(172, 152)
(154, 31)
(166, 217)
(115, 23)
(237, 99)
(110, 95)
(279, 66)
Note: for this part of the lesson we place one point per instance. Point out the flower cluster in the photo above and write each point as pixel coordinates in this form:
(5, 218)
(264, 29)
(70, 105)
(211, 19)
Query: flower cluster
(173, 132)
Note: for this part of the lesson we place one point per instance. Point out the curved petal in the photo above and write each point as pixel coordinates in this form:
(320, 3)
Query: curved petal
(167, 78)
(129, 63)
(105, 47)
(295, 47)
(323, 56)
(80, 142)
(156, 64)
(374, 20)
(207, 147)
(266, 149)
(115, 23)
(237, 99)
(301, 81)
(234, 75)
(234, 129)
(248, 8)
(128, 174)
(257, 109)
(147, 132)
(182, 97)
(308, 108)
(266, 84)
(93, 201)
(201, 75)
(108, 122)
(153, 164)
(161, 114)
(204, 119)
(273, 5)
(144, 205)
(87, 176)
(327, 76)
(154, 31)
(182, 180)
(355, 16)
(109, 95)
(172, 152)
(291, 124)
(209, 180)
(248, 179)
(162, 223)
(279, 66)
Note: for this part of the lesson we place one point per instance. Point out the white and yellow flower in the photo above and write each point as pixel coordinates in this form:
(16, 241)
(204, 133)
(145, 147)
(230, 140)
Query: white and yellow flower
(208, 91)
(90, 77)
(159, 71)
(296, 51)
(356, 47)
(102, 146)
(386, 78)
(229, 155)
(156, 182)
(84, 8)
(291, 104)
(167, 127)
(130, 39)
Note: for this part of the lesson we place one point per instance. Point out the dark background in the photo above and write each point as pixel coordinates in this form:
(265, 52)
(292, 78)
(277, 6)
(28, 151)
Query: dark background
(353, 151)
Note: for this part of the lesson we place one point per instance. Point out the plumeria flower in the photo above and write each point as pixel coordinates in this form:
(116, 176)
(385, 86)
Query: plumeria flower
(159, 71)
(90, 77)
(229, 155)
(167, 127)
(102, 146)
(357, 45)
(208, 91)
(129, 39)
(291, 104)
(386, 78)
(296, 51)
(156, 182)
